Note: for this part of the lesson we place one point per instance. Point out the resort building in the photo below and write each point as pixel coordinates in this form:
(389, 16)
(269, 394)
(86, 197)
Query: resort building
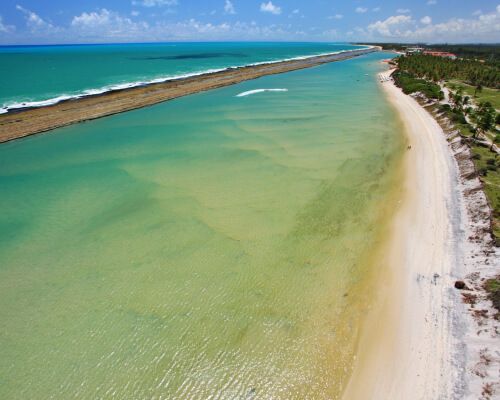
(441, 54)
(413, 50)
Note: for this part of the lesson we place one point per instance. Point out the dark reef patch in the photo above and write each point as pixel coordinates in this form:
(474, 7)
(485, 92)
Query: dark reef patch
(195, 56)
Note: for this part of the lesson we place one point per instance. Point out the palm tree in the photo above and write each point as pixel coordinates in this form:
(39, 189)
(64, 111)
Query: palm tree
(458, 99)
(485, 117)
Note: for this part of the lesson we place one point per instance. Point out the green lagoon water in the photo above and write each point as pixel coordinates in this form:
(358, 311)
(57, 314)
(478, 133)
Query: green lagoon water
(211, 247)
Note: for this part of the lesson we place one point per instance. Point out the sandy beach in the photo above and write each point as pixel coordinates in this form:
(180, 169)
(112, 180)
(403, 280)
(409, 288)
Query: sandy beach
(415, 342)
(15, 125)
(410, 354)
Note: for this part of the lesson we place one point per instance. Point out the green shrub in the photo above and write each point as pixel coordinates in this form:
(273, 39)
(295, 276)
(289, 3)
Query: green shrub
(445, 108)
(459, 117)
(492, 286)
(410, 84)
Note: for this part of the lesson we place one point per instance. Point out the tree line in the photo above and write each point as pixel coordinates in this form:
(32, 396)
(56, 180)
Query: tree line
(486, 52)
(435, 68)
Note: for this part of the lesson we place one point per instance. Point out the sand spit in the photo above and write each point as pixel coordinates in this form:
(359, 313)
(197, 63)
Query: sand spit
(15, 125)
(422, 341)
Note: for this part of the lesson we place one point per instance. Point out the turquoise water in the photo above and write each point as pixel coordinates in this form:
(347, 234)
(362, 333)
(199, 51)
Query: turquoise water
(209, 247)
(38, 73)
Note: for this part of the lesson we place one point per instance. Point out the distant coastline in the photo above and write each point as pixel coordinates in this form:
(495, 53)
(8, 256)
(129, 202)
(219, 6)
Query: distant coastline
(28, 121)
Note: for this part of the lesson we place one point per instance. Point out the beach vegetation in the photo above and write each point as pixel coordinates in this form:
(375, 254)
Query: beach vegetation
(433, 68)
(474, 99)
(486, 162)
(458, 119)
(458, 116)
(492, 287)
(485, 116)
(479, 95)
(409, 83)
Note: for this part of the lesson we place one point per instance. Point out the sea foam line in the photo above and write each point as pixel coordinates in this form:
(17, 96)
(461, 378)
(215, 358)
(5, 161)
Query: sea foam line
(91, 92)
(250, 92)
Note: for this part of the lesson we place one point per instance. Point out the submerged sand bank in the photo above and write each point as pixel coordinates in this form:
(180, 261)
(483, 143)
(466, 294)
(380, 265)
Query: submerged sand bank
(14, 125)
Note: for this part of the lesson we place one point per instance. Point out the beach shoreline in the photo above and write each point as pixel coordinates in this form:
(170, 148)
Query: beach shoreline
(407, 353)
(25, 122)
(420, 340)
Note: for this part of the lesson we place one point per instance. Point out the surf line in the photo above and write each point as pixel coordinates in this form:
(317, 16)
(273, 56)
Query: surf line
(24, 122)
(255, 91)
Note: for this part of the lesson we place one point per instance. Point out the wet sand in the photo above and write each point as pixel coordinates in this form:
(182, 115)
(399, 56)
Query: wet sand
(26, 122)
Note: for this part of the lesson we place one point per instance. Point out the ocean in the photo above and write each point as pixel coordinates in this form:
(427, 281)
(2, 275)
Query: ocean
(40, 75)
(214, 246)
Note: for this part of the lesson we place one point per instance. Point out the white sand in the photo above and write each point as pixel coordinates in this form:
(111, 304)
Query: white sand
(421, 341)
(408, 348)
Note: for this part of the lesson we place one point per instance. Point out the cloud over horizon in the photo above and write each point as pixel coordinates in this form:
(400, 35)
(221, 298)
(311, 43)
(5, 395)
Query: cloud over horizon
(405, 28)
(171, 20)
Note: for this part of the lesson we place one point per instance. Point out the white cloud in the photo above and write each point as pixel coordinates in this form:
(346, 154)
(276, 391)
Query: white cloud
(154, 3)
(134, 13)
(4, 28)
(361, 10)
(92, 19)
(426, 20)
(35, 23)
(376, 9)
(296, 11)
(192, 27)
(403, 11)
(229, 7)
(106, 24)
(390, 26)
(484, 28)
(431, 2)
(477, 12)
(111, 25)
(270, 8)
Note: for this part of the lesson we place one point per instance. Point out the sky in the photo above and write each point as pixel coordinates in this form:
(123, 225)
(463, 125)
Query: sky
(112, 21)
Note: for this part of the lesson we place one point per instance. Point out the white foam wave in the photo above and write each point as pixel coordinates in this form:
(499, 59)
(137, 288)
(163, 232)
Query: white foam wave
(250, 92)
(90, 92)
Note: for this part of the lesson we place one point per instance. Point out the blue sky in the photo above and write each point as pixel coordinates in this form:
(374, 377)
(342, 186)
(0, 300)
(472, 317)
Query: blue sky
(58, 21)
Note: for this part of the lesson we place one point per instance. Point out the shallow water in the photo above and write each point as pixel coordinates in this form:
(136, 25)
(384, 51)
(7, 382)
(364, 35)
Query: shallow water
(209, 247)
